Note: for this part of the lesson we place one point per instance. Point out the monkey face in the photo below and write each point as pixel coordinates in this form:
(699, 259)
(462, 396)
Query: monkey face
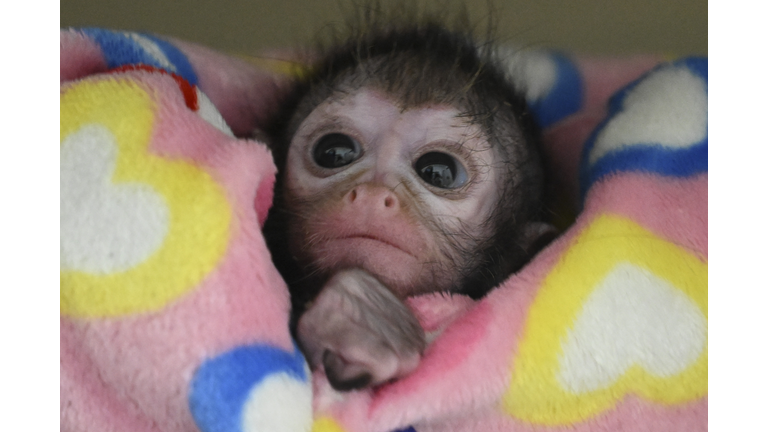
(399, 193)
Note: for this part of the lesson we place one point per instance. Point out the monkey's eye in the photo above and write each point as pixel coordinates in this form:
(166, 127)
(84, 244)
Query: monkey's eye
(441, 170)
(336, 150)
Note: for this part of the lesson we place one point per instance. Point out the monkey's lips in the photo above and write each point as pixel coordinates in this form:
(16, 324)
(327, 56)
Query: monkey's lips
(374, 238)
(364, 245)
(397, 265)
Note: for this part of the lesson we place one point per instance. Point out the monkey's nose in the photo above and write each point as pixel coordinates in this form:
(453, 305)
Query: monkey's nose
(374, 196)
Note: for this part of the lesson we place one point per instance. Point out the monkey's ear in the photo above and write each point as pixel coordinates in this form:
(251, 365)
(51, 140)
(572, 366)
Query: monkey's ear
(536, 236)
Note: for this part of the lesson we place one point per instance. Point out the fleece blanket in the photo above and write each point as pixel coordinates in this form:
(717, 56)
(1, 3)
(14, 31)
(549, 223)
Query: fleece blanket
(174, 319)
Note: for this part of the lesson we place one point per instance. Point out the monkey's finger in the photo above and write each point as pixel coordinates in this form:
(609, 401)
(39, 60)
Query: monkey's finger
(344, 375)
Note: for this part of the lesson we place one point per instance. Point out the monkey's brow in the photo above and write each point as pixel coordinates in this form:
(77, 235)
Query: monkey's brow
(331, 123)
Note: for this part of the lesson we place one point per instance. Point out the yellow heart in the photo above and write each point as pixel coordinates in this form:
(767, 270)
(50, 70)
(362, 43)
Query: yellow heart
(198, 213)
(575, 360)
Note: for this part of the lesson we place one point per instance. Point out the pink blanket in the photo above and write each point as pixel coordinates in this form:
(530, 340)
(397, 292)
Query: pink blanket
(173, 317)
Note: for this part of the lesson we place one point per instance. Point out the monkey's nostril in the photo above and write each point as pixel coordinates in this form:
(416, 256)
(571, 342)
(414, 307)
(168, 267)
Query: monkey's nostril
(353, 195)
(389, 201)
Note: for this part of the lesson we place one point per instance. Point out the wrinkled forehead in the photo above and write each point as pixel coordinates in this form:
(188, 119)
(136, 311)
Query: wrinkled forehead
(411, 80)
(376, 100)
(375, 108)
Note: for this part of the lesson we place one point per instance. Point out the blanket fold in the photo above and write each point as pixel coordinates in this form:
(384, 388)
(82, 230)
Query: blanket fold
(173, 317)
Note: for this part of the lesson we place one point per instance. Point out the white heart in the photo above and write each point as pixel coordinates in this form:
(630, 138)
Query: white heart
(632, 318)
(152, 49)
(534, 70)
(208, 112)
(279, 403)
(105, 227)
(669, 107)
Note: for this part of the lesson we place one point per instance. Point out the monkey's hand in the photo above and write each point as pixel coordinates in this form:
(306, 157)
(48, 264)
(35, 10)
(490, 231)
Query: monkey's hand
(360, 332)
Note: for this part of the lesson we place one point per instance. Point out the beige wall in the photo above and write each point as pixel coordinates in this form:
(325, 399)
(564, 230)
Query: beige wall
(247, 26)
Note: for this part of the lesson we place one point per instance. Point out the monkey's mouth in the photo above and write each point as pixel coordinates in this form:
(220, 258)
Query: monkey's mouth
(376, 239)
(397, 264)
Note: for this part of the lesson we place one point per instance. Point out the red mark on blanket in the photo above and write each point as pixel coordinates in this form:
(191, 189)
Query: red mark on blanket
(187, 89)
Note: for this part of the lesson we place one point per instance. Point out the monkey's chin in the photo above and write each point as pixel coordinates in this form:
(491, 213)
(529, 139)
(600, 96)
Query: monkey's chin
(402, 272)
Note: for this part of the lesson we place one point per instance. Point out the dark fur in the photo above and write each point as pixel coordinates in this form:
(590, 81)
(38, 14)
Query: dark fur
(420, 62)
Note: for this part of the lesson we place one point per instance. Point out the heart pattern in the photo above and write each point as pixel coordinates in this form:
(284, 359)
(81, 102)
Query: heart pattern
(252, 388)
(631, 318)
(105, 227)
(137, 230)
(668, 108)
(622, 312)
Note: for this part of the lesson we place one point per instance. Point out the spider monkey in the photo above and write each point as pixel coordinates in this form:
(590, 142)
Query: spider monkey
(408, 162)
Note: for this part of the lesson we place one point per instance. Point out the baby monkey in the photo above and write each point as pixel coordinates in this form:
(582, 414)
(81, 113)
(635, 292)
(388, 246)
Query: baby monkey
(408, 164)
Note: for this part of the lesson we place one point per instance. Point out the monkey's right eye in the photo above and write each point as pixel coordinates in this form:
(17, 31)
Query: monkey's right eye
(336, 150)
(441, 170)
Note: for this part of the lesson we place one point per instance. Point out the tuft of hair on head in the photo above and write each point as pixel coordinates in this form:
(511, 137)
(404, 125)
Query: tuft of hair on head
(417, 55)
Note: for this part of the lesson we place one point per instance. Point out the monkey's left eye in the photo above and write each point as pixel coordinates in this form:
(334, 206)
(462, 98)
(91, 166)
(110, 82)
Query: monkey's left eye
(441, 170)
(335, 150)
